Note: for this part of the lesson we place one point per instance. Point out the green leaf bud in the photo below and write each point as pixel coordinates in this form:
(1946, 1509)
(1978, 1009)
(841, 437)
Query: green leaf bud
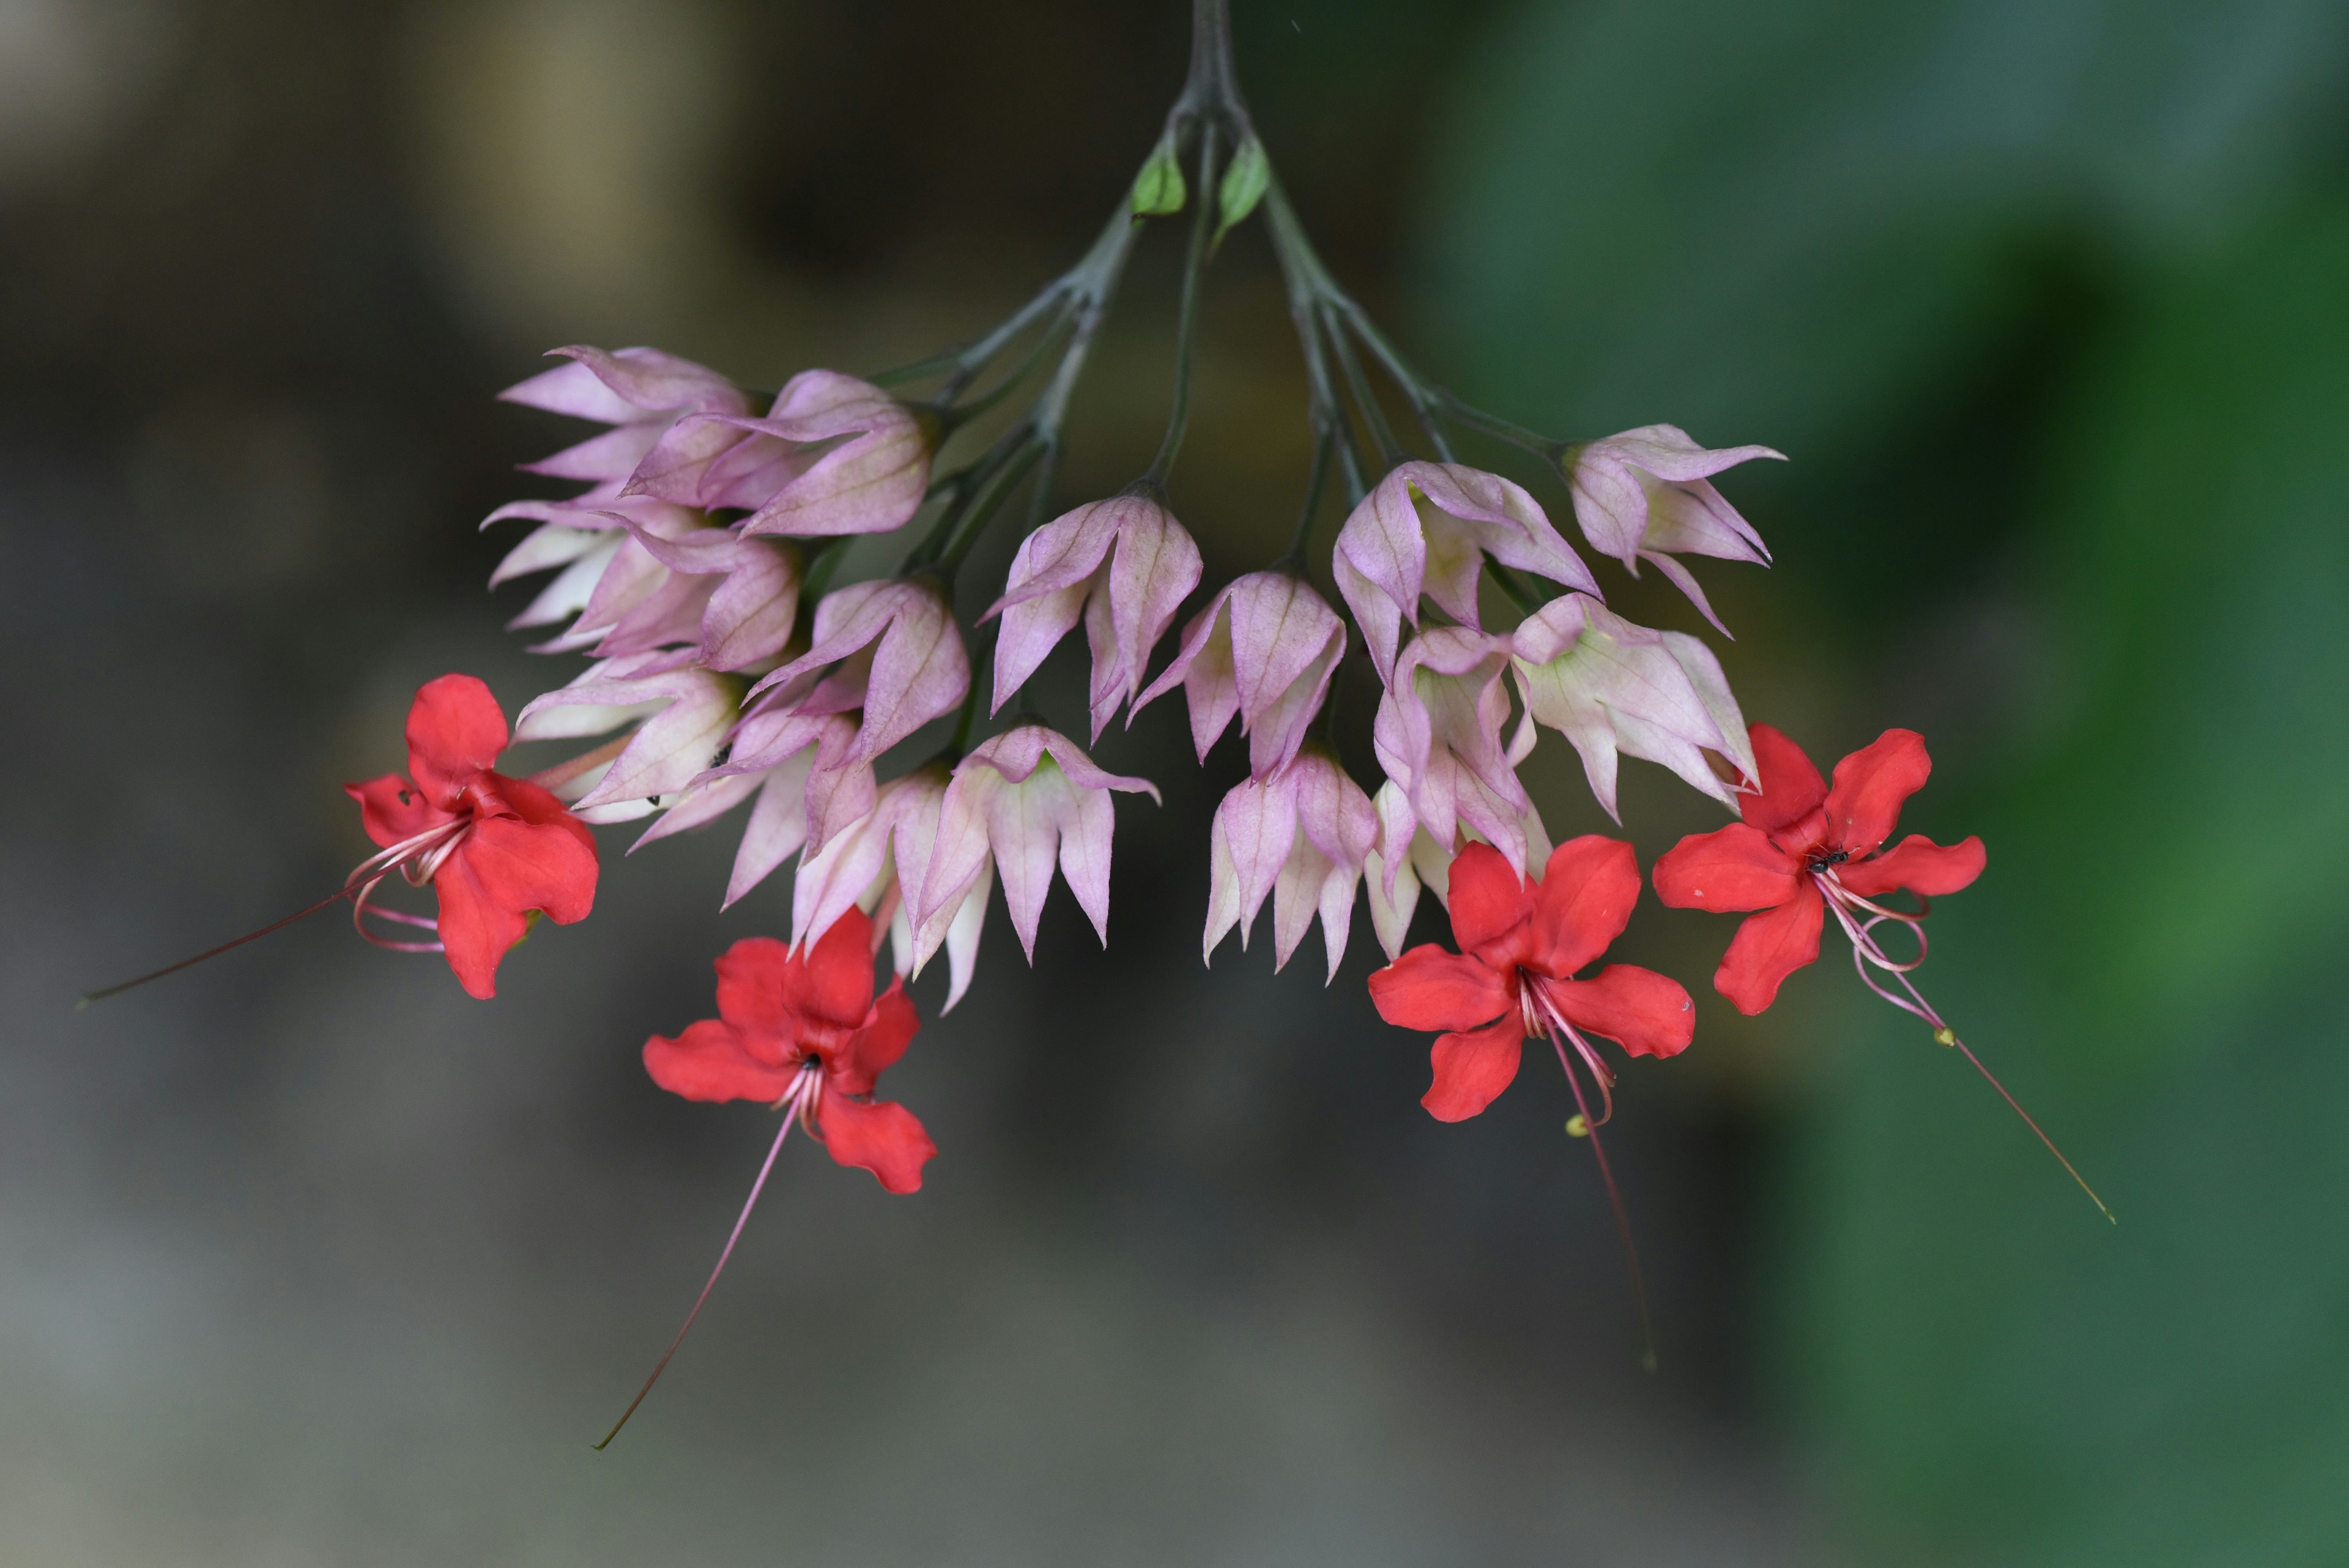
(1159, 190)
(1243, 186)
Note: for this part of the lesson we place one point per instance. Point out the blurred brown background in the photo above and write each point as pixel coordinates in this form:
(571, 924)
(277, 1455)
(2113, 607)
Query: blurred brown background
(305, 1258)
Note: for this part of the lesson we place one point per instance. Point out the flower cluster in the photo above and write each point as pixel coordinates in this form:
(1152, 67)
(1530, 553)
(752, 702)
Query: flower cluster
(741, 657)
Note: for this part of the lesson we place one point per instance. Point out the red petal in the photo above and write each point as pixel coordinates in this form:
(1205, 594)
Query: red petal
(1472, 1069)
(889, 1028)
(754, 986)
(392, 809)
(1917, 864)
(709, 1062)
(882, 1137)
(1869, 785)
(1640, 1009)
(475, 928)
(1488, 901)
(1768, 947)
(1791, 788)
(1583, 904)
(522, 866)
(1731, 869)
(1428, 988)
(536, 805)
(838, 984)
(454, 731)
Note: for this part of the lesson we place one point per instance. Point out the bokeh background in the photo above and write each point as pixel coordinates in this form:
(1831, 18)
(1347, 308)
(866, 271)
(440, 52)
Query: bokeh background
(306, 1259)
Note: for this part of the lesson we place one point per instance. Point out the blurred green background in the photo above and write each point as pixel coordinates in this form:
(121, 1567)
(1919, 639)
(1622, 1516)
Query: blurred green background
(309, 1260)
(2050, 303)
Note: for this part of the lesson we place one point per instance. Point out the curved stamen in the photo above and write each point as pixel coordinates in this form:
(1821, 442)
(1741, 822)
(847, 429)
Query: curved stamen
(361, 908)
(1559, 1032)
(428, 850)
(795, 1104)
(1865, 951)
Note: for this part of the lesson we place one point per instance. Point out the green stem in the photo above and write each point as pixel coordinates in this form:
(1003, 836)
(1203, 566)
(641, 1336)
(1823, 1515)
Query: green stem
(1195, 266)
(987, 503)
(822, 569)
(1366, 400)
(1304, 279)
(1325, 448)
(1475, 418)
(1525, 598)
(967, 720)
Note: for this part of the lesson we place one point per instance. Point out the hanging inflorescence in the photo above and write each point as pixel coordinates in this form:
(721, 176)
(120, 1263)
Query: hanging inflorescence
(732, 670)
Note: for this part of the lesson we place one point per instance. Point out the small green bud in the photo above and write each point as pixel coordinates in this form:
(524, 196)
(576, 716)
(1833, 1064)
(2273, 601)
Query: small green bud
(1577, 1126)
(1243, 186)
(1158, 189)
(1945, 1035)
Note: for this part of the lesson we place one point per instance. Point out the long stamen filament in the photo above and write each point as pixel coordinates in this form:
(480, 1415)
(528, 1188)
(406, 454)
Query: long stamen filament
(795, 1104)
(1560, 1031)
(1866, 951)
(417, 858)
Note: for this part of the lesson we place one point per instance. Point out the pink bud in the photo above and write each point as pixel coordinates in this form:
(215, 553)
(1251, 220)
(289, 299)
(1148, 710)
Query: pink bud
(744, 593)
(899, 638)
(835, 455)
(1426, 528)
(1438, 734)
(641, 392)
(1019, 801)
(1609, 686)
(890, 843)
(1125, 565)
(685, 712)
(1302, 836)
(1265, 648)
(1647, 493)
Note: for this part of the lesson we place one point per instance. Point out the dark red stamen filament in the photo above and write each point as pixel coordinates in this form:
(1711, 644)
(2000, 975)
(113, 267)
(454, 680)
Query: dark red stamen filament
(1559, 1032)
(416, 859)
(795, 1104)
(1859, 918)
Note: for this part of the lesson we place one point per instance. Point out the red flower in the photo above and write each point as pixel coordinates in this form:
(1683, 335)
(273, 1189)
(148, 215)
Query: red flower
(806, 1033)
(1802, 848)
(497, 850)
(1521, 943)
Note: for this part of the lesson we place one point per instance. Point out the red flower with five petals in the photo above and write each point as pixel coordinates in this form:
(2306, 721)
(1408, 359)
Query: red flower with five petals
(1803, 847)
(1521, 943)
(807, 1034)
(497, 850)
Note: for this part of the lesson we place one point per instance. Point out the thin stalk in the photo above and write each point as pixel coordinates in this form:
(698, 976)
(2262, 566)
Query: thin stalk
(989, 501)
(101, 994)
(1416, 389)
(1195, 266)
(953, 419)
(1366, 400)
(1475, 418)
(826, 563)
(966, 361)
(794, 1107)
(963, 489)
(1305, 281)
(967, 720)
(1513, 586)
(1324, 451)
(1214, 81)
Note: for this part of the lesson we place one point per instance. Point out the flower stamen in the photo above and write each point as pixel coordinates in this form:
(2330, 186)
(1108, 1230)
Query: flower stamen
(1867, 954)
(795, 1104)
(1559, 1032)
